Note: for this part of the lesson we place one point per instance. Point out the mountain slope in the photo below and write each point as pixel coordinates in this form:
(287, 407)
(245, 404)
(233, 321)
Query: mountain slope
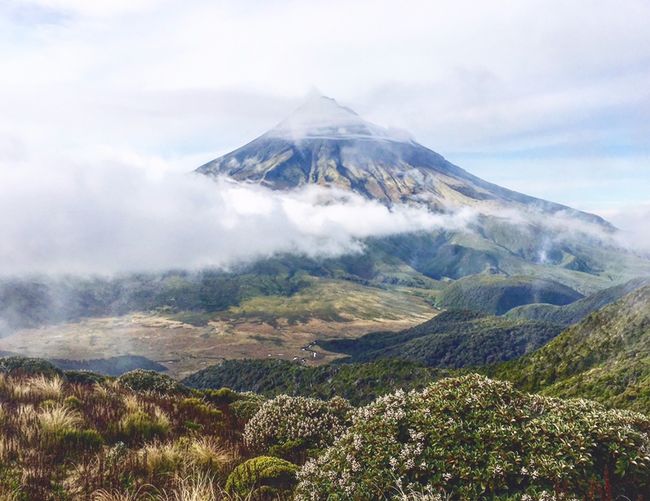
(574, 312)
(495, 294)
(605, 357)
(452, 339)
(327, 144)
(509, 233)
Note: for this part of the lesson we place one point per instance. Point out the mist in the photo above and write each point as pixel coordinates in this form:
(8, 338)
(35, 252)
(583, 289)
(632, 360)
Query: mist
(110, 216)
(120, 214)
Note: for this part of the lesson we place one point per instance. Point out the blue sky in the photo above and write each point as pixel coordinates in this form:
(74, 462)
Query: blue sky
(551, 98)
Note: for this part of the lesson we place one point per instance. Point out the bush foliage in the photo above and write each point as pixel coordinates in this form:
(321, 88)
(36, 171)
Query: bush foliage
(263, 477)
(292, 424)
(461, 438)
(474, 438)
(143, 380)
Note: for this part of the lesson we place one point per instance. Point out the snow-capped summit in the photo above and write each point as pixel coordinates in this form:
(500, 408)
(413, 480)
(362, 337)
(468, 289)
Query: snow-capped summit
(321, 117)
(327, 144)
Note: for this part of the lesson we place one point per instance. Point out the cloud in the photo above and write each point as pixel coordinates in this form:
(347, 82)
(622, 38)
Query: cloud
(104, 212)
(634, 222)
(181, 82)
(109, 216)
(204, 77)
(96, 8)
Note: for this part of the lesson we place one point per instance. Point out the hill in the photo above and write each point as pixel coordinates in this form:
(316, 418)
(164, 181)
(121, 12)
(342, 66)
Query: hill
(496, 294)
(452, 339)
(605, 357)
(574, 312)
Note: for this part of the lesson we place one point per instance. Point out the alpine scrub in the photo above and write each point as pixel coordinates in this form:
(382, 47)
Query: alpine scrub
(143, 438)
(290, 426)
(474, 438)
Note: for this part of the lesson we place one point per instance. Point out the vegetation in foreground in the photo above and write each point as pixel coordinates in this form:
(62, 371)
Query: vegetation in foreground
(143, 436)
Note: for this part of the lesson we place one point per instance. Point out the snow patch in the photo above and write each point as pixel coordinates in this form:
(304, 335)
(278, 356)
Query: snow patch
(321, 117)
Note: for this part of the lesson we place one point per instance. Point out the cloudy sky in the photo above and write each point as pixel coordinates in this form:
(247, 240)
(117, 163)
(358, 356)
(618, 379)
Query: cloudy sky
(548, 97)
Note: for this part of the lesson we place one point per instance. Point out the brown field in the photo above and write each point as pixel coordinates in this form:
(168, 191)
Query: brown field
(263, 327)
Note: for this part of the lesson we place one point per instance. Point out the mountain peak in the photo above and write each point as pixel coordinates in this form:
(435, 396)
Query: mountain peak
(325, 143)
(322, 117)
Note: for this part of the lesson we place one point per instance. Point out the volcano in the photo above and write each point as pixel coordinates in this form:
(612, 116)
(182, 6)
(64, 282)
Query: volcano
(324, 143)
(327, 144)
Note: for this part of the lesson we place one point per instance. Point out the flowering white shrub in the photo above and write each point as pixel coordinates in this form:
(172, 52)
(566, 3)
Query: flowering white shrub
(474, 438)
(306, 422)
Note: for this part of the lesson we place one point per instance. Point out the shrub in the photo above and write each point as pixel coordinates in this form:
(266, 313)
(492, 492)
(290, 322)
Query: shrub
(247, 406)
(84, 377)
(262, 477)
(80, 440)
(73, 402)
(140, 427)
(145, 381)
(197, 408)
(23, 366)
(222, 396)
(307, 422)
(473, 438)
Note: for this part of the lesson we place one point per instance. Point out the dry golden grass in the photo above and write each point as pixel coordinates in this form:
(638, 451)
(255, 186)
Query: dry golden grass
(199, 487)
(104, 442)
(132, 403)
(207, 453)
(57, 419)
(260, 327)
(161, 458)
(115, 495)
(47, 388)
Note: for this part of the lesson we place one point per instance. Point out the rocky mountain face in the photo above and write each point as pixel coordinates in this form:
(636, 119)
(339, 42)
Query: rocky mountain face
(327, 144)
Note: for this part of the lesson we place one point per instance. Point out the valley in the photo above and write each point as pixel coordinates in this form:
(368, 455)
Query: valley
(275, 327)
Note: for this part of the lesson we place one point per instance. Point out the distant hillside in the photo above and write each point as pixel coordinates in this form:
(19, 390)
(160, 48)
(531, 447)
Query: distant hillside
(606, 357)
(112, 366)
(35, 301)
(497, 294)
(574, 312)
(359, 383)
(453, 339)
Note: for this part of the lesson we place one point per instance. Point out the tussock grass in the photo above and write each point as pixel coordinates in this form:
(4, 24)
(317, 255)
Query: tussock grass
(195, 488)
(207, 453)
(104, 441)
(58, 419)
(47, 388)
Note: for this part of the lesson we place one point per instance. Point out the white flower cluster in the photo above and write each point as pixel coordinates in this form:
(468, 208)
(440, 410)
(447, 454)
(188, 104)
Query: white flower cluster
(471, 437)
(312, 422)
